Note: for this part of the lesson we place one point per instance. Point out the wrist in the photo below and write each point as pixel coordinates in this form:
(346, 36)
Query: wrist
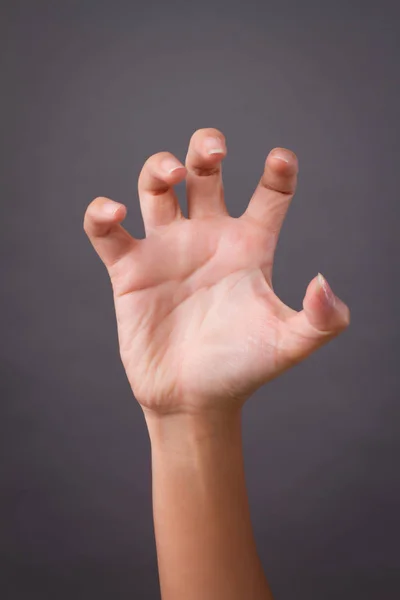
(181, 432)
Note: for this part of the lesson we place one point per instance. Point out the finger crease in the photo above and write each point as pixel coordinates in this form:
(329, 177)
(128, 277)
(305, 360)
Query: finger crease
(203, 172)
(270, 187)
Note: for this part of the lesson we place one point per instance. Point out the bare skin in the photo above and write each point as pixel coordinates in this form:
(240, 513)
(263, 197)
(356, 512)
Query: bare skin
(200, 329)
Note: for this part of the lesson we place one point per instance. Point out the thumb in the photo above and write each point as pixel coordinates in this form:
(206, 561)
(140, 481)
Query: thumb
(324, 316)
(322, 309)
(102, 226)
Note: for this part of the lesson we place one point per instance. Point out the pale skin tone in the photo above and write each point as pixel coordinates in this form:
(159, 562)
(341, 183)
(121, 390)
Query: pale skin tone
(200, 330)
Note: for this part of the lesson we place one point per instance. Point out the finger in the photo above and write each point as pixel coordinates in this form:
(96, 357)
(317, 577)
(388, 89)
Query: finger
(271, 199)
(102, 226)
(204, 187)
(324, 316)
(158, 201)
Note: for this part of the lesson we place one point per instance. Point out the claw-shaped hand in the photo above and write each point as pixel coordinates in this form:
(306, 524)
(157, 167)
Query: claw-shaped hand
(199, 324)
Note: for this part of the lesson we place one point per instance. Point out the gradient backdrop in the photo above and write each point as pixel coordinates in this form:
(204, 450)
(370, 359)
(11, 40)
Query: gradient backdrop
(89, 90)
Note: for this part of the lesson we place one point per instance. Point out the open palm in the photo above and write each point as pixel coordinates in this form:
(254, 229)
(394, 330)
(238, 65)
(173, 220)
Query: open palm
(199, 324)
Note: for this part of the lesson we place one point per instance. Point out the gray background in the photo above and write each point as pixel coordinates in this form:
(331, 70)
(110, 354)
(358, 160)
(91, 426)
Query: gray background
(89, 91)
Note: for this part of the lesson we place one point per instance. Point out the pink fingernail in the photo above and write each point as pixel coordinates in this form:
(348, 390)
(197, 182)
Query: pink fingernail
(280, 155)
(110, 208)
(329, 295)
(171, 164)
(214, 145)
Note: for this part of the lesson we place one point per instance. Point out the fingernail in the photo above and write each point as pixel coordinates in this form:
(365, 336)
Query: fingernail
(280, 155)
(171, 164)
(329, 295)
(214, 145)
(110, 208)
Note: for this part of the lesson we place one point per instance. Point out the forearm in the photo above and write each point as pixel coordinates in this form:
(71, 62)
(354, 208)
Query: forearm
(205, 544)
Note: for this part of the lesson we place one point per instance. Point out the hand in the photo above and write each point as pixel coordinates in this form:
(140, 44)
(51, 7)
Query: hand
(199, 325)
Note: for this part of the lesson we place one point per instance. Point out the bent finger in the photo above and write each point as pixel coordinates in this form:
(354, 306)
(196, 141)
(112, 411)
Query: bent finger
(204, 186)
(102, 225)
(274, 192)
(158, 202)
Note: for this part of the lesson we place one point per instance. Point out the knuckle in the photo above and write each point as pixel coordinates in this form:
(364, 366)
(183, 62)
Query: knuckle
(155, 158)
(216, 133)
(90, 213)
(152, 163)
(200, 134)
(87, 216)
(94, 206)
(97, 201)
(87, 224)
